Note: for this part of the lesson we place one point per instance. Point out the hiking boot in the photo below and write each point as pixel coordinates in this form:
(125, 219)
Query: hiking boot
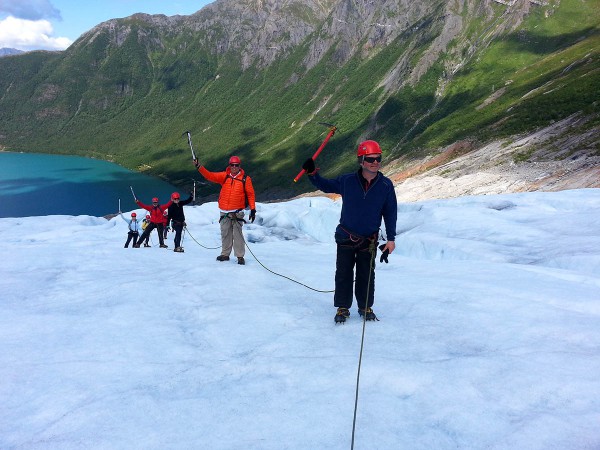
(136, 246)
(241, 260)
(370, 315)
(164, 246)
(178, 249)
(145, 245)
(341, 315)
(222, 258)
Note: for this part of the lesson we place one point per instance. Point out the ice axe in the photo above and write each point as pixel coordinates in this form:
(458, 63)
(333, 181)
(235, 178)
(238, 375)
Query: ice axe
(189, 138)
(332, 129)
(194, 191)
(133, 193)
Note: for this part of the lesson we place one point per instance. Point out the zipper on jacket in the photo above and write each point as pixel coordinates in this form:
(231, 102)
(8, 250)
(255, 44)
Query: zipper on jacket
(365, 191)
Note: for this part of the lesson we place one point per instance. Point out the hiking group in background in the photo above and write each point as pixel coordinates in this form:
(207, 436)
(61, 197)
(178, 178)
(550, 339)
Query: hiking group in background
(160, 217)
(368, 198)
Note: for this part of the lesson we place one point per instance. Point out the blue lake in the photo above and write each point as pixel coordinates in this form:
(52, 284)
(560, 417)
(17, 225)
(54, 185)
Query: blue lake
(39, 185)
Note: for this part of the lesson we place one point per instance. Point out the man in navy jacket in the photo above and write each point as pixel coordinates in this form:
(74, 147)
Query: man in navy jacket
(367, 198)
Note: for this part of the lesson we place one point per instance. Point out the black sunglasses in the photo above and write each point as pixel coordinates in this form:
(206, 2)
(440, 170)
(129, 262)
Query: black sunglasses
(371, 159)
(234, 165)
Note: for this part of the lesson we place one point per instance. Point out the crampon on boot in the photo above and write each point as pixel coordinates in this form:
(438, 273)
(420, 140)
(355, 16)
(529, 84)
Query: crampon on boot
(370, 315)
(341, 315)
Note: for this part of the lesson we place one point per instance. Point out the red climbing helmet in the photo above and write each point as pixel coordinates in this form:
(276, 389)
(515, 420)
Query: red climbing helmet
(133, 215)
(235, 160)
(175, 195)
(368, 148)
(155, 200)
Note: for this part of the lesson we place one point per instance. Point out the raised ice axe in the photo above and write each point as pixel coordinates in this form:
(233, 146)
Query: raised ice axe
(189, 138)
(332, 129)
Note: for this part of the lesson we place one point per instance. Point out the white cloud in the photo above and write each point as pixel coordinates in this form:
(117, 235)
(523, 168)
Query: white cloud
(30, 35)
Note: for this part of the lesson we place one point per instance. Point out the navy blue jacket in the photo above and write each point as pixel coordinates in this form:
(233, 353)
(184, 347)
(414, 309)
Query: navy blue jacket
(362, 210)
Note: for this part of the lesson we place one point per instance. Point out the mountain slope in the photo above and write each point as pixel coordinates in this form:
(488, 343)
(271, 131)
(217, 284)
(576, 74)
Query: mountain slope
(253, 77)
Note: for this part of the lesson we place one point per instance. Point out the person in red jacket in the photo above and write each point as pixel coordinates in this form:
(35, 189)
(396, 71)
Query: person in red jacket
(157, 220)
(236, 193)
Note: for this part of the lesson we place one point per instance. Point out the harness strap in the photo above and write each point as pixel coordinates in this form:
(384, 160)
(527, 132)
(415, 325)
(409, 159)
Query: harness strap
(358, 239)
(232, 216)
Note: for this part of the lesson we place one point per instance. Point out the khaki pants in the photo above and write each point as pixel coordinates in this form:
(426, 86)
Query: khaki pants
(231, 234)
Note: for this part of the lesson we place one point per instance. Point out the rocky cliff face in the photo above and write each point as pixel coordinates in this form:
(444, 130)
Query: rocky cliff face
(561, 156)
(263, 31)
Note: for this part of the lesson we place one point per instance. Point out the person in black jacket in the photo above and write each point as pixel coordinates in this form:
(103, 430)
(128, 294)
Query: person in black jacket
(177, 218)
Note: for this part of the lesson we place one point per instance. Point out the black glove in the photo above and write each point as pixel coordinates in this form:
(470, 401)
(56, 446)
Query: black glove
(196, 163)
(309, 166)
(252, 215)
(384, 254)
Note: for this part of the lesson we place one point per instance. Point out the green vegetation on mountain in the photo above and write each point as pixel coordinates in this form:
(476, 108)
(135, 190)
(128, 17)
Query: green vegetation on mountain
(126, 90)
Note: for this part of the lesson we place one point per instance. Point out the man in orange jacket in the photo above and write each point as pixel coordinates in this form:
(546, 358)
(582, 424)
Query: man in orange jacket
(236, 194)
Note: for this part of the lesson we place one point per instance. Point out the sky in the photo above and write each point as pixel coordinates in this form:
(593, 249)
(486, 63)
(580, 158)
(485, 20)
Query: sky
(489, 331)
(56, 24)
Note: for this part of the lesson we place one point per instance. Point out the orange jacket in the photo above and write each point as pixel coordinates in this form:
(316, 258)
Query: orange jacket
(232, 195)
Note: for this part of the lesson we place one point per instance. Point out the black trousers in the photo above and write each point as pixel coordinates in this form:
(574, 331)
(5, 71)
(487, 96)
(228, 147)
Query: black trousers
(131, 235)
(151, 226)
(350, 254)
(178, 228)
